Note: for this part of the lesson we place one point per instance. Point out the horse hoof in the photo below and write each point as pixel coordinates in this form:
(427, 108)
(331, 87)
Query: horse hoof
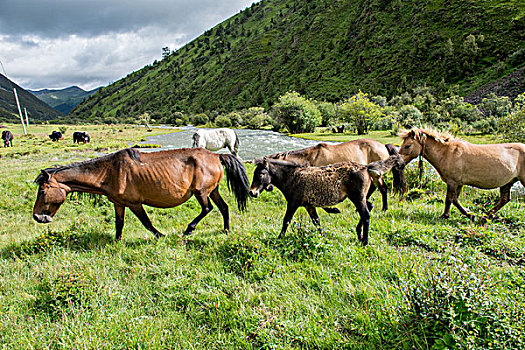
(188, 233)
(444, 216)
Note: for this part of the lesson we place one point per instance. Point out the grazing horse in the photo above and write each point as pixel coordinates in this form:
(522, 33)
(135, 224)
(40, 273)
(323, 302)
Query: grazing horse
(130, 178)
(80, 136)
(7, 136)
(460, 163)
(363, 151)
(215, 139)
(55, 136)
(311, 187)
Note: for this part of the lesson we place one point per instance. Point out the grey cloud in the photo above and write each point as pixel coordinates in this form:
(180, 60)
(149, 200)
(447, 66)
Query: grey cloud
(56, 18)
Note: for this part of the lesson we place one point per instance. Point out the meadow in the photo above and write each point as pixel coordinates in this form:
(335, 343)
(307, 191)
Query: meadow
(422, 283)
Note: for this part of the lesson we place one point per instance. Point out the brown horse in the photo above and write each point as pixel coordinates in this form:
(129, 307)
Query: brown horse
(460, 163)
(362, 151)
(130, 178)
(311, 187)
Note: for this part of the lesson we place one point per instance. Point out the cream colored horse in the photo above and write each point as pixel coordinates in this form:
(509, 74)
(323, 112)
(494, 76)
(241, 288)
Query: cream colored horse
(460, 163)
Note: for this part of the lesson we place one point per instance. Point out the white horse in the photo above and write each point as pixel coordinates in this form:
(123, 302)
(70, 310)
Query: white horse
(215, 139)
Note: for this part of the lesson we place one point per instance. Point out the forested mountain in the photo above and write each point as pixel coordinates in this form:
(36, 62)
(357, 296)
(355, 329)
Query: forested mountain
(327, 50)
(63, 100)
(37, 110)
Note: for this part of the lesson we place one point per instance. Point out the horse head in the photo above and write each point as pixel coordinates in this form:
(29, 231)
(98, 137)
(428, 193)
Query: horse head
(262, 180)
(51, 194)
(413, 144)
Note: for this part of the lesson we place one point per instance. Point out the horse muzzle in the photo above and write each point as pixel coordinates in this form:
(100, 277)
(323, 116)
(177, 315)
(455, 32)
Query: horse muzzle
(254, 193)
(42, 219)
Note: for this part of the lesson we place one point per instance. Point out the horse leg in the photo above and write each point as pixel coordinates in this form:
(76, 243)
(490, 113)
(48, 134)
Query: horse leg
(139, 211)
(504, 198)
(119, 220)
(454, 200)
(313, 216)
(223, 207)
(288, 216)
(379, 183)
(206, 208)
(364, 220)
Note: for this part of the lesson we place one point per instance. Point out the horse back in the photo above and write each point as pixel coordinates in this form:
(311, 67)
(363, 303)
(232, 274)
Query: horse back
(165, 178)
(363, 151)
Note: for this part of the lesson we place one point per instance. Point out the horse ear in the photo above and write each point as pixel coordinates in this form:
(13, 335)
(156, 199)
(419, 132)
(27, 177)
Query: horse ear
(265, 162)
(43, 177)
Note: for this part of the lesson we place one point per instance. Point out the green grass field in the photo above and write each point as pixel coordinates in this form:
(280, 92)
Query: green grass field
(422, 283)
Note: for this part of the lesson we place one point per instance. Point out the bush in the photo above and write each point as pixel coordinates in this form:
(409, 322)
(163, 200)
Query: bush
(410, 116)
(512, 126)
(199, 119)
(296, 113)
(223, 121)
(460, 308)
(359, 111)
(328, 113)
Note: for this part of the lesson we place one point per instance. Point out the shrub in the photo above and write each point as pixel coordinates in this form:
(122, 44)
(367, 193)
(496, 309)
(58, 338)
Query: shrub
(459, 307)
(359, 111)
(297, 113)
(328, 113)
(223, 121)
(199, 119)
(410, 116)
(495, 106)
(512, 126)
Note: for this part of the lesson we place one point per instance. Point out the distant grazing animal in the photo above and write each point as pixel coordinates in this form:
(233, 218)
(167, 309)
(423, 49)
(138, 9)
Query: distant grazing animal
(363, 151)
(55, 136)
(80, 136)
(339, 129)
(460, 163)
(215, 139)
(312, 187)
(7, 136)
(130, 178)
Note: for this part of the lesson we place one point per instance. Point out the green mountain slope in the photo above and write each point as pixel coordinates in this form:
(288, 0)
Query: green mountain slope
(328, 50)
(37, 110)
(63, 100)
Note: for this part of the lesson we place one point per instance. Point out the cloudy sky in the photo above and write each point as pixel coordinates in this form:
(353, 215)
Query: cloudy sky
(90, 43)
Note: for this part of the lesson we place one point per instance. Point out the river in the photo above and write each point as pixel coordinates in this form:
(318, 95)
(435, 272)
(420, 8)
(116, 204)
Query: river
(252, 143)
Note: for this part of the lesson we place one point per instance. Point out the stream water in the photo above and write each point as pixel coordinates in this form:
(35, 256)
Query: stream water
(252, 143)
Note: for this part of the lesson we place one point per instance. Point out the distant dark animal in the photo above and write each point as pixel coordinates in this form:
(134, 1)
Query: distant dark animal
(363, 151)
(130, 178)
(55, 136)
(80, 136)
(7, 136)
(312, 187)
(215, 139)
(339, 129)
(460, 163)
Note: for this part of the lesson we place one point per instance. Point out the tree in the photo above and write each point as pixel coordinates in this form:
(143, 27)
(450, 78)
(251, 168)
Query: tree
(165, 52)
(512, 126)
(296, 113)
(359, 111)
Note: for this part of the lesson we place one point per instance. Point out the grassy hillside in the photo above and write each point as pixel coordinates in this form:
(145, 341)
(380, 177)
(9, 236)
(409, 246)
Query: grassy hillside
(37, 110)
(422, 282)
(63, 100)
(325, 50)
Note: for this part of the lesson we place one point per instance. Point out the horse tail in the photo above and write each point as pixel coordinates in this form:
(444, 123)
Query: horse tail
(237, 179)
(196, 138)
(236, 145)
(394, 162)
(398, 173)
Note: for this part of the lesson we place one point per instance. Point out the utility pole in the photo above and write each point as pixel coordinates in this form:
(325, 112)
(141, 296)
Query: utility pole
(20, 112)
(27, 119)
